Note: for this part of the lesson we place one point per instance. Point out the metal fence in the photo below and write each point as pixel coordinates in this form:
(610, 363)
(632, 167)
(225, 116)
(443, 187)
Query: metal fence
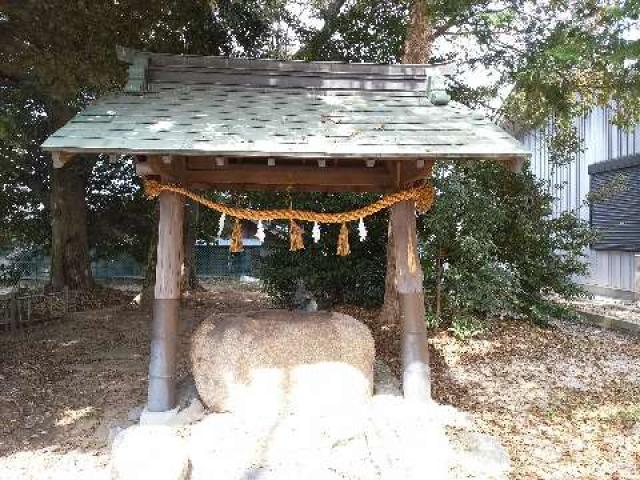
(210, 261)
(217, 261)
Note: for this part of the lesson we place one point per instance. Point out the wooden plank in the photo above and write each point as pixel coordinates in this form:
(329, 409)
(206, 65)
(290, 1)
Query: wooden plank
(187, 71)
(161, 59)
(257, 187)
(164, 326)
(416, 171)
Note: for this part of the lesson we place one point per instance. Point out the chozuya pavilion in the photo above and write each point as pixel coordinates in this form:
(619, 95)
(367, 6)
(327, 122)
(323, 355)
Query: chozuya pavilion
(196, 123)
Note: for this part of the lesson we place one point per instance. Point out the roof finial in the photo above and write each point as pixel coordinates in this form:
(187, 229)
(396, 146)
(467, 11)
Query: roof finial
(437, 91)
(138, 77)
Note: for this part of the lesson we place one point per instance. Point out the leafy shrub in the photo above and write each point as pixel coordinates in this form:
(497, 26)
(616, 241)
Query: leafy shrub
(432, 320)
(492, 231)
(356, 279)
(501, 250)
(465, 326)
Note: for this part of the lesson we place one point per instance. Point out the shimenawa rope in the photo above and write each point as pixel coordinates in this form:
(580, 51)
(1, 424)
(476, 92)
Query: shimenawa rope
(422, 195)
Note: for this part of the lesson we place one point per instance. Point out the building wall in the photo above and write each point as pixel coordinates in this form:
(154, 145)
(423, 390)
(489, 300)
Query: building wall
(612, 272)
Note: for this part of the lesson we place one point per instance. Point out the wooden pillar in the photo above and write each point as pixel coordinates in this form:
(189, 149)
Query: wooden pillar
(416, 376)
(164, 329)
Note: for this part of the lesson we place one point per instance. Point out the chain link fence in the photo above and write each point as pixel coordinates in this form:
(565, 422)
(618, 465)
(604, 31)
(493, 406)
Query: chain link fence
(24, 302)
(217, 261)
(211, 261)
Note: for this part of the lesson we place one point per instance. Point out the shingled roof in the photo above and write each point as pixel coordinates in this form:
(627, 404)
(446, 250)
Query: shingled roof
(193, 105)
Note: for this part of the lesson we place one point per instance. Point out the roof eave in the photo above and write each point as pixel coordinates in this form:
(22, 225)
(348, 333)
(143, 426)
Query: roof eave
(334, 155)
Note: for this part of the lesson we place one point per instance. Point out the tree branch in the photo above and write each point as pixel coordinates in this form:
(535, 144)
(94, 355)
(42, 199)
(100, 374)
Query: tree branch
(322, 36)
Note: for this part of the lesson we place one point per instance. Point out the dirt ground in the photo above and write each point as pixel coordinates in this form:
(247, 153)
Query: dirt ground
(564, 401)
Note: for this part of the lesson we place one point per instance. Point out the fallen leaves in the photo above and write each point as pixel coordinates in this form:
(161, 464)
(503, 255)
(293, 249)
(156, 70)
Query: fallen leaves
(564, 400)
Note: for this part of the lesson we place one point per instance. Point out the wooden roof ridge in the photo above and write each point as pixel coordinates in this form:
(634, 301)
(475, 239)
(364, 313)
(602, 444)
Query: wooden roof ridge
(130, 56)
(147, 68)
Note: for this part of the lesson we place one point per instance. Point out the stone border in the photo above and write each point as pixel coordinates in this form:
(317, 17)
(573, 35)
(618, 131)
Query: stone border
(609, 323)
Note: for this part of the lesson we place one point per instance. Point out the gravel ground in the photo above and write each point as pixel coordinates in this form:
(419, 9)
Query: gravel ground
(564, 401)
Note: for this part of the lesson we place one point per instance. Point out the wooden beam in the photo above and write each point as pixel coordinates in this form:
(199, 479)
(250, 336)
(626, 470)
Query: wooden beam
(286, 176)
(416, 377)
(60, 159)
(515, 165)
(170, 172)
(249, 187)
(384, 176)
(164, 330)
(144, 167)
(200, 171)
(169, 261)
(413, 172)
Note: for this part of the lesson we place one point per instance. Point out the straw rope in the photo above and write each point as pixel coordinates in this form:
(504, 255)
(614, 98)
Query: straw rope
(423, 196)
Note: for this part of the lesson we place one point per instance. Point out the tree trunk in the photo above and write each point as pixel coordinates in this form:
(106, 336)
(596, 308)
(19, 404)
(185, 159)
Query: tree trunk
(417, 49)
(188, 278)
(419, 40)
(70, 262)
(390, 313)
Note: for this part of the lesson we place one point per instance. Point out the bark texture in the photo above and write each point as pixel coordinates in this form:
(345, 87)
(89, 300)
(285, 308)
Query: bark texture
(390, 312)
(70, 262)
(419, 41)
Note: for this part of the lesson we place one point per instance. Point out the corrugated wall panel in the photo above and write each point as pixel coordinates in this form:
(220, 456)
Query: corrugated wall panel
(611, 269)
(570, 184)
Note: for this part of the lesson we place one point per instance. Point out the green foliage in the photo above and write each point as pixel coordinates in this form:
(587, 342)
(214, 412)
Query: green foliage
(465, 326)
(432, 320)
(9, 275)
(355, 279)
(502, 249)
(24, 194)
(364, 31)
(56, 56)
(120, 218)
